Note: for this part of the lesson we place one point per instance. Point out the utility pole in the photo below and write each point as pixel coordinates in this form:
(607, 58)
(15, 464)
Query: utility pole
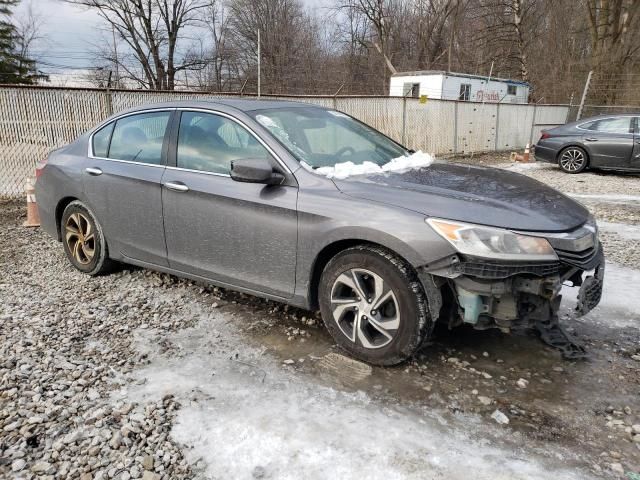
(488, 80)
(259, 63)
(584, 94)
(115, 56)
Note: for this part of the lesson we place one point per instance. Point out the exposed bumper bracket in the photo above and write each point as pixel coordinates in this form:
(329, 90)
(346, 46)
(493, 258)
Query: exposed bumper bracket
(591, 291)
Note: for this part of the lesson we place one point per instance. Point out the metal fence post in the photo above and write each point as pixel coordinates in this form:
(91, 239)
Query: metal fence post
(109, 103)
(584, 94)
(495, 145)
(533, 123)
(335, 99)
(455, 126)
(404, 119)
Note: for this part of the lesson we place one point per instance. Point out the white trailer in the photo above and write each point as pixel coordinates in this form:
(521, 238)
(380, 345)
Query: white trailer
(443, 85)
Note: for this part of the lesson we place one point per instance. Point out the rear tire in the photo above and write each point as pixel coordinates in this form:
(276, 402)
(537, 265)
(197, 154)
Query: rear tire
(374, 305)
(573, 160)
(83, 240)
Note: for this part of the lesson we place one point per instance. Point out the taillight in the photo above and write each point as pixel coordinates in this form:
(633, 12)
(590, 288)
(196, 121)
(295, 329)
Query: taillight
(40, 167)
(545, 135)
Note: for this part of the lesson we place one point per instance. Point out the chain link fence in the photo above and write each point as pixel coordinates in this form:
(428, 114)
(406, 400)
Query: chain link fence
(594, 110)
(36, 120)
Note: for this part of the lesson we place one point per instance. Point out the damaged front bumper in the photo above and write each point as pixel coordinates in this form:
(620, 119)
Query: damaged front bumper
(515, 295)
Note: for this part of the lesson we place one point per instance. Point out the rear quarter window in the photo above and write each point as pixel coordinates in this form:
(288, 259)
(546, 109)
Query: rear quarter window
(101, 141)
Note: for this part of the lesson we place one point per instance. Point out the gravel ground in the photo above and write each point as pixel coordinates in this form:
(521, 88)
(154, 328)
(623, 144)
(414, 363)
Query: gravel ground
(589, 182)
(65, 345)
(114, 377)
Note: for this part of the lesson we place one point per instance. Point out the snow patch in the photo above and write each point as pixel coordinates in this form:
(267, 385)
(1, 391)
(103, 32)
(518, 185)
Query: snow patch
(343, 170)
(624, 230)
(620, 303)
(606, 198)
(243, 415)
(522, 167)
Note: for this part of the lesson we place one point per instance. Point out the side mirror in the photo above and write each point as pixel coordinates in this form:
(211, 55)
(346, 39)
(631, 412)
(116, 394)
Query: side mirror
(255, 170)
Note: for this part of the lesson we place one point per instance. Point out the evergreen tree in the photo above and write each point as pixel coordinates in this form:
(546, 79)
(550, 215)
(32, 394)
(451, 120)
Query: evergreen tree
(14, 68)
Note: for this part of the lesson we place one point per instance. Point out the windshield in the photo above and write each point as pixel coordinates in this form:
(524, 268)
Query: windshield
(324, 138)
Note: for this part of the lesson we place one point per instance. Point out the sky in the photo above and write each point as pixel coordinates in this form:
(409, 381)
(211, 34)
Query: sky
(69, 35)
(72, 35)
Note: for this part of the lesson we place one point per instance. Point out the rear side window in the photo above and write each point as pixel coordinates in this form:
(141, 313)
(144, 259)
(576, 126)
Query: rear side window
(101, 141)
(610, 125)
(138, 138)
(209, 143)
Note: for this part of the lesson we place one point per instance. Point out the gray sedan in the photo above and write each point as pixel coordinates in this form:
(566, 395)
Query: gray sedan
(308, 206)
(609, 142)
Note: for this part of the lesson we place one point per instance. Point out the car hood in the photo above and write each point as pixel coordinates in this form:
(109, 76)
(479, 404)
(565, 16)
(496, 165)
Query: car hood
(482, 195)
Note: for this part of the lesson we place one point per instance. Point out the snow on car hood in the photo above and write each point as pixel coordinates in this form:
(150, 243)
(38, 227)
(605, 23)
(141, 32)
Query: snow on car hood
(347, 169)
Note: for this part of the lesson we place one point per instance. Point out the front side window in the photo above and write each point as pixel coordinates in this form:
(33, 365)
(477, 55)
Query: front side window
(610, 125)
(138, 138)
(324, 138)
(511, 89)
(209, 143)
(465, 92)
(101, 141)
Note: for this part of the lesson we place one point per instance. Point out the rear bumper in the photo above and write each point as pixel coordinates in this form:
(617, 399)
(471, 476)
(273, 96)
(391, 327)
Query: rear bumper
(46, 209)
(545, 154)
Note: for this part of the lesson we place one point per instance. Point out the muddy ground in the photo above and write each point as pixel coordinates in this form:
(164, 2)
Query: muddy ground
(216, 353)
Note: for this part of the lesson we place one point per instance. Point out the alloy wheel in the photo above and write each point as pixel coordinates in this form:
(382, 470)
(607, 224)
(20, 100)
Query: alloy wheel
(572, 160)
(365, 308)
(80, 238)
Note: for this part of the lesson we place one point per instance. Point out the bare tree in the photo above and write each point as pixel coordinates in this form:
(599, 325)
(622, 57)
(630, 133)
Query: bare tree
(355, 46)
(152, 29)
(288, 42)
(615, 44)
(29, 29)
(221, 68)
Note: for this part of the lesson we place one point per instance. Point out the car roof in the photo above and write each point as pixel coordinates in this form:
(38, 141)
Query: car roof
(242, 104)
(608, 115)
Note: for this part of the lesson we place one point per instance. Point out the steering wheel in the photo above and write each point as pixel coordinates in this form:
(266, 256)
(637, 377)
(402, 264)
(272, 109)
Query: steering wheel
(344, 150)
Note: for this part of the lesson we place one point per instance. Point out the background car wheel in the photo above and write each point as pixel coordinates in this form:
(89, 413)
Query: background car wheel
(83, 240)
(573, 160)
(374, 305)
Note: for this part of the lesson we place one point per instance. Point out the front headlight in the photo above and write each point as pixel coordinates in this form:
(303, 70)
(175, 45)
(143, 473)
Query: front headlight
(489, 242)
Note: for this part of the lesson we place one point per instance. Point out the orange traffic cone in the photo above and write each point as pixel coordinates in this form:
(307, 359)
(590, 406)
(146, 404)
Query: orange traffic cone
(525, 158)
(33, 217)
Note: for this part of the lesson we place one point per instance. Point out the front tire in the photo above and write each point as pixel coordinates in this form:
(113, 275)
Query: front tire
(374, 305)
(83, 240)
(573, 160)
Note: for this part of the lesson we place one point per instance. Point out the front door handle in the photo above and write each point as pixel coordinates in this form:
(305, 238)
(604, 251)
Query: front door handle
(93, 171)
(176, 186)
(591, 139)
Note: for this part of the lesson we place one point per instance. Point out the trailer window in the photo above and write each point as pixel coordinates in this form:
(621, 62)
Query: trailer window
(411, 90)
(465, 92)
(511, 89)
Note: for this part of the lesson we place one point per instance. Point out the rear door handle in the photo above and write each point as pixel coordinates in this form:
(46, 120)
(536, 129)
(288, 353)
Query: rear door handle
(591, 139)
(176, 186)
(93, 171)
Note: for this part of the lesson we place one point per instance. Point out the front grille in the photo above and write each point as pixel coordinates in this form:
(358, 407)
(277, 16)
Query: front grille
(584, 259)
(503, 269)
